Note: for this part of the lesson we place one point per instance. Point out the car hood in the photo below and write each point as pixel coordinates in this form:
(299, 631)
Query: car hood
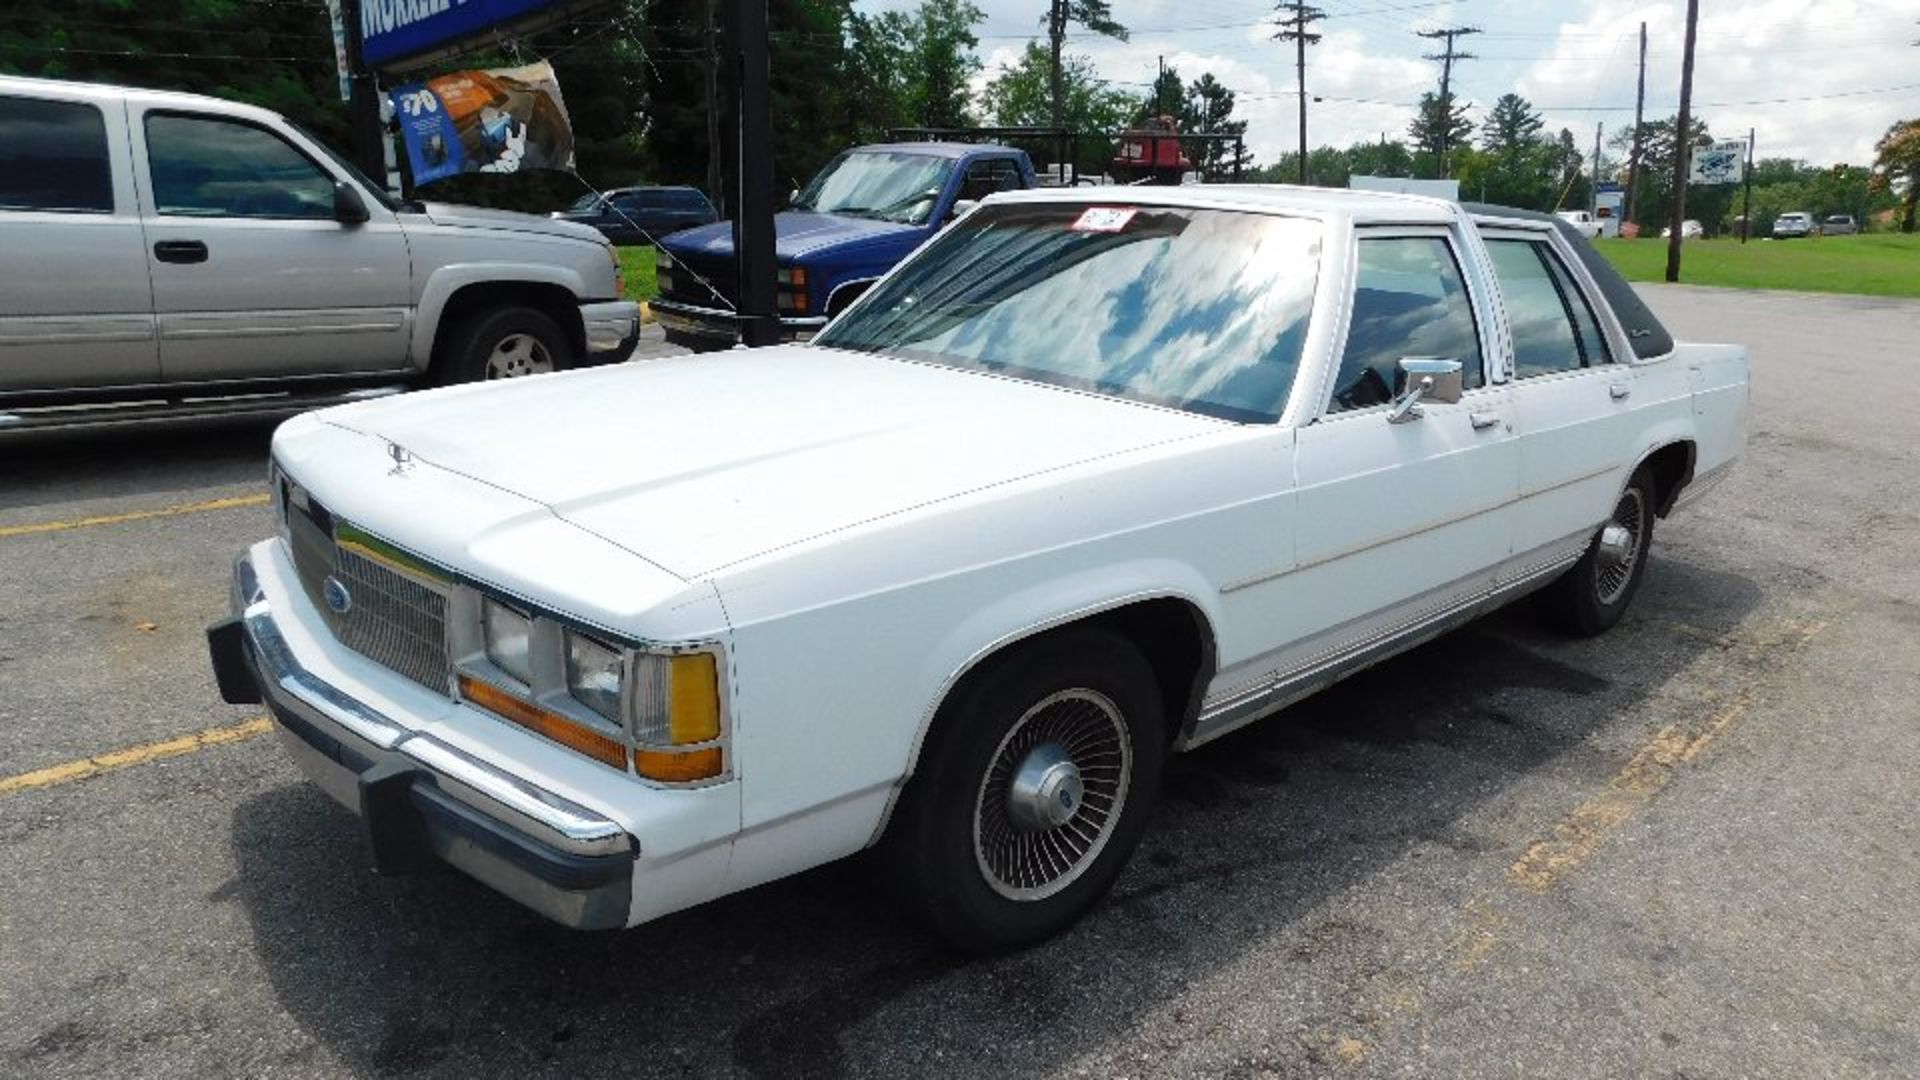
(480, 217)
(696, 463)
(797, 233)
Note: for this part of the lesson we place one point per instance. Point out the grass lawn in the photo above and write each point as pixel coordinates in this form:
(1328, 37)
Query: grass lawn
(636, 264)
(1877, 264)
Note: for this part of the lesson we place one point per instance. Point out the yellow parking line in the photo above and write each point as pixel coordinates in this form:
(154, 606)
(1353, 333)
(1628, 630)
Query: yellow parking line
(135, 515)
(67, 773)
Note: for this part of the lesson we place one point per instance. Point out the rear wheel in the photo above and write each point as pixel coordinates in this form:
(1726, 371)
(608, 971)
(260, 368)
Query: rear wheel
(504, 343)
(1034, 788)
(1592, 596)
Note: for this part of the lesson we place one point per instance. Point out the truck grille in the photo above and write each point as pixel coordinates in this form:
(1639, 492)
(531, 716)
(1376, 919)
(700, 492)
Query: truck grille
(687, 288)
(393, 619)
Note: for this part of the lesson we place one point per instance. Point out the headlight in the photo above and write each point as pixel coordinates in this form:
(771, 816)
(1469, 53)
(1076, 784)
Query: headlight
(594, 674)
(662, 260)
(657, 713)
(509, 639)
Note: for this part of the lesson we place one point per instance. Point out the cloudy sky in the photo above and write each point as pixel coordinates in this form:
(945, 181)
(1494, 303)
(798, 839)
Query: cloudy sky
(1818, 80)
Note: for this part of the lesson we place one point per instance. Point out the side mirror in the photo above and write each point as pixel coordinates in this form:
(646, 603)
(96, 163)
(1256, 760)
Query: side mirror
(793, 196)
(961, 207)
(1427, 378)
(348, 207)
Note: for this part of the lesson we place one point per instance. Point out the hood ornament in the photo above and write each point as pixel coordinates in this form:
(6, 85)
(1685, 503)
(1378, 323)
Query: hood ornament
(402, 458)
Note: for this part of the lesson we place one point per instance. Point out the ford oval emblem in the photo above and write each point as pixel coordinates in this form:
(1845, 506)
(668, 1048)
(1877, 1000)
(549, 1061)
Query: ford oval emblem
(337, 597)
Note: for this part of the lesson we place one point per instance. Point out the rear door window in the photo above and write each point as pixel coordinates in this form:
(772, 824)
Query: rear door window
(1553, 326)
(53, 157)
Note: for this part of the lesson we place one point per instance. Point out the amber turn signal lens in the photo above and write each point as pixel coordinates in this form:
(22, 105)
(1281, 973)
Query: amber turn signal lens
(567, 733)
(693, 714)
(679, 768)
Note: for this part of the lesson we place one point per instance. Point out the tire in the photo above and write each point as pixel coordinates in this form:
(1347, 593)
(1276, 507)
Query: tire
(1592, 595)
(984, 864)
(503, 343)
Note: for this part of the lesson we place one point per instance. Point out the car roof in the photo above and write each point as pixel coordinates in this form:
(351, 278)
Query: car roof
(105, 93)
(939, 149)
(650, 187)
(1363, 207)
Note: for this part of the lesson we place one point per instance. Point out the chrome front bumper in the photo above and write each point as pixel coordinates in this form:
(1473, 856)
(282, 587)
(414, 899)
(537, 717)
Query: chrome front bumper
(725, 325)
(610, 326)
(422, 800)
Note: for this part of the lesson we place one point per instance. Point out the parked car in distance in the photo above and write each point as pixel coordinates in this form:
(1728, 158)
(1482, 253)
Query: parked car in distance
(1689, 230)
(1839, 225)
(640, 215)
(861, 214)
(1095, 476)
(173, 255)
(1797, 223)
(1582, 222)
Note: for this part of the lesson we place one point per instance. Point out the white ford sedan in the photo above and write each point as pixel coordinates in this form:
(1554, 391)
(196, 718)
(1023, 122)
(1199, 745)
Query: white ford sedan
(1094, 477)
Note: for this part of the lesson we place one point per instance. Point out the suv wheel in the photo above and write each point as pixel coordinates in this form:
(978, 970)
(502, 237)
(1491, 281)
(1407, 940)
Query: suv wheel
(504, 343)
(1033, 789)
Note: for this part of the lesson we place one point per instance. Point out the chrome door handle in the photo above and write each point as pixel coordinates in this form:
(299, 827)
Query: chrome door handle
(1483, 420)
(1619, 391)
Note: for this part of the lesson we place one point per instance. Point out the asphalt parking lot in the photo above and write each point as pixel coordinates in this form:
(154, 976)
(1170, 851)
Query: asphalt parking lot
(1688, 848)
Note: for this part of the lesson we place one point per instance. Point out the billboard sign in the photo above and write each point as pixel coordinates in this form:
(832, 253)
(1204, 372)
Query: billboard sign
(393, 30)
(499, 121)
(1720, 163)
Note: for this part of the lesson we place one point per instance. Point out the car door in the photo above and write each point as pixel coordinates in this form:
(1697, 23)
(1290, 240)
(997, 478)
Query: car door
(252, 274)
(76, 309)
(1573, 405)
(1400, 523)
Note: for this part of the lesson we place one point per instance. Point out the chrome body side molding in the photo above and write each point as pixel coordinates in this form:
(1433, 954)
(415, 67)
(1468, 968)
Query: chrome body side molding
(1410, 624)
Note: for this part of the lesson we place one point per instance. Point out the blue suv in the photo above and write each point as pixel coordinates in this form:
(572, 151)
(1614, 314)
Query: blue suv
(863, 213)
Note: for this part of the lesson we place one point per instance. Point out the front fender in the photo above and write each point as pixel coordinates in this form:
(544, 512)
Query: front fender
(440, 286)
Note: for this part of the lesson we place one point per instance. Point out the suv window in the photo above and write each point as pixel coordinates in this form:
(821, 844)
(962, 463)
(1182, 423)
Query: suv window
(207, 167)
(1410, 299)
(1553, 326)
(53, 156)
(687, 200)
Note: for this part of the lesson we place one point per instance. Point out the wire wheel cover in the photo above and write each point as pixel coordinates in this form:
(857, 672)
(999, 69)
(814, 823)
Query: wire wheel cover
(1617, 560)
(1070, 748)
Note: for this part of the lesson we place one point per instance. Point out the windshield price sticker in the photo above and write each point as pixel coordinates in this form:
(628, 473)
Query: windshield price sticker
(1104, 219)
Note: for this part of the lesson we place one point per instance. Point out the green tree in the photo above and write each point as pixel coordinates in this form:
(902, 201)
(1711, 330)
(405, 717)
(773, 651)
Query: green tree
(1896, 168)
(941, 45)
(1437, 124)
(1210, 105)
(1512, 127)
(1381, 158)
(1020, 96)
(1096, 16)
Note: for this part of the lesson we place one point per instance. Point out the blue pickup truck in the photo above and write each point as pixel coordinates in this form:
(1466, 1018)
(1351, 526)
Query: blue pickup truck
(864, 212)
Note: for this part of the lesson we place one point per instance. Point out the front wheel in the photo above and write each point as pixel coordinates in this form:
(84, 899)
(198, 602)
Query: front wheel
(1591, 596)
(504, 343)
(1033, 790)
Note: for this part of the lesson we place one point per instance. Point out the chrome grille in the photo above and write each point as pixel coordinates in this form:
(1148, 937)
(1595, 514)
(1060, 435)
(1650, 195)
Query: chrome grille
(394, 620)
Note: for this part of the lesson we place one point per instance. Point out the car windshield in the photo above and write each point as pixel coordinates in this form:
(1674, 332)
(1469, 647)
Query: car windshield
(586, 203)
(889, 185)
(1200, 310)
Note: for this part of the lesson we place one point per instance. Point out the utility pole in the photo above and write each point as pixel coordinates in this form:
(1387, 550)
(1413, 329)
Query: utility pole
(712, 64)
(1056, 42)
(1446, 86)
(1294, 28)
(753, 171)
(1159, 88)
(1683, 144)
(1593, 189)
(1746, 213)
(1639, 108)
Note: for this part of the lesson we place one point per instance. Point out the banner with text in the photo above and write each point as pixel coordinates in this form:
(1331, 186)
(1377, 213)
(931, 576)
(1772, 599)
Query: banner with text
(500, 121)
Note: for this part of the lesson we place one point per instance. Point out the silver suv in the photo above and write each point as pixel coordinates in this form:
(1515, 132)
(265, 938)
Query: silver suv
(198, 255)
